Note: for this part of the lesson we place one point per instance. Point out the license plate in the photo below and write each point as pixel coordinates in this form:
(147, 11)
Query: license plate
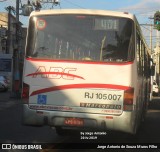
(74, 121)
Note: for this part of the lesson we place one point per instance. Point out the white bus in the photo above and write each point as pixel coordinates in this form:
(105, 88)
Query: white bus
(85, 69)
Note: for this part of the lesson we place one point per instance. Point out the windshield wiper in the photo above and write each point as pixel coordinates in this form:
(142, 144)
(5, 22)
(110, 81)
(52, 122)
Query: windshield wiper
(102, 46)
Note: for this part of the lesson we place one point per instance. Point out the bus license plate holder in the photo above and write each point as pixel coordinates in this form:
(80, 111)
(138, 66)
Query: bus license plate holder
(73, 121)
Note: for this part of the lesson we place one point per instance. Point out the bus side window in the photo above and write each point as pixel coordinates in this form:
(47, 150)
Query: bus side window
(138, 54)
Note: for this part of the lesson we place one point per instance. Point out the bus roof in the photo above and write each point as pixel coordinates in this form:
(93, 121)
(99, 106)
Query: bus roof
(84, 11)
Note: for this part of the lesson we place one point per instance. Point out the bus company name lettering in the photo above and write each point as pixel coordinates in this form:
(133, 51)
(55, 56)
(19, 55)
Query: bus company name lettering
(56, 73)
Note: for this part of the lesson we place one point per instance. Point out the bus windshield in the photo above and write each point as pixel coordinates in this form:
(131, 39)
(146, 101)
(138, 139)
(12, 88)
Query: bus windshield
(81, 37)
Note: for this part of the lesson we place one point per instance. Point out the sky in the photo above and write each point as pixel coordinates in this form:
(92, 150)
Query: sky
(143, 9)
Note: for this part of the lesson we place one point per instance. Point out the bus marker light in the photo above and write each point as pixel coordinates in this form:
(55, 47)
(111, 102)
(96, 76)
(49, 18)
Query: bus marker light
(80, 17)
(39, 112)
(109, 117)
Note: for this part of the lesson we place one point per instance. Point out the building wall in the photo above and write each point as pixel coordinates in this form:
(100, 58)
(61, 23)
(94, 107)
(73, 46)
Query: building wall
(16, 58)
(12, 32)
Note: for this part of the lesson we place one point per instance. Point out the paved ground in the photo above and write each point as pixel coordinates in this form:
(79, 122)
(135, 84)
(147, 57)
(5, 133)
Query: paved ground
(7, 96)
(7, 100)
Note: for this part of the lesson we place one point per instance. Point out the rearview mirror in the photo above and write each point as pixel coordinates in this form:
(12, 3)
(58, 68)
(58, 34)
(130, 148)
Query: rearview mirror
(26, 9)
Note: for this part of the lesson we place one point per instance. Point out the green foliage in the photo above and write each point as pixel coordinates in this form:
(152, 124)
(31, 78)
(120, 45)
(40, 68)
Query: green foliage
(157, 20)
(158, 27)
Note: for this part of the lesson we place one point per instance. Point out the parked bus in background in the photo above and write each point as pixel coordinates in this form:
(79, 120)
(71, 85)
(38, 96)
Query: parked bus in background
(85, 69)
